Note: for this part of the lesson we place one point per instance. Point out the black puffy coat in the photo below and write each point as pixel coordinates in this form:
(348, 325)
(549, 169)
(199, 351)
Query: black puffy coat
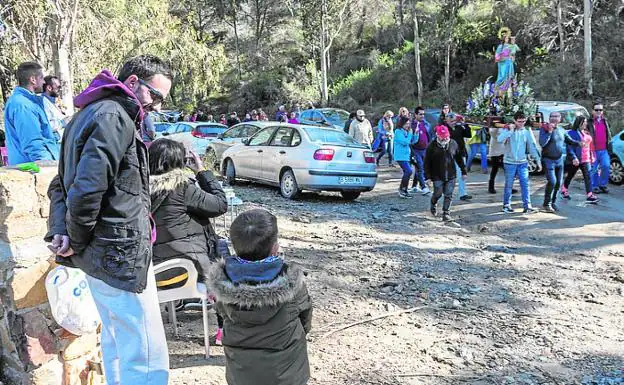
(182, 212)
(440, 161)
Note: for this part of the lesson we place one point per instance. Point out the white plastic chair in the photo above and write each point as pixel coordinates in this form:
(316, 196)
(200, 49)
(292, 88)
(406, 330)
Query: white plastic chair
(191, 289)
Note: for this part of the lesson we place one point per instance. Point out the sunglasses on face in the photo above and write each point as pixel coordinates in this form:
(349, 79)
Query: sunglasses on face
(157, 97)
(598, 110)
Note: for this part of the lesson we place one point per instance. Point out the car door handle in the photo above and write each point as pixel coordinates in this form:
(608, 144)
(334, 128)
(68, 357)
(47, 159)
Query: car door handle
(282, 152)
(260, 151)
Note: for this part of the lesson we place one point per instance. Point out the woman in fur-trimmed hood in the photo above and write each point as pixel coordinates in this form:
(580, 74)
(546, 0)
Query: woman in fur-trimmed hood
(265, 305)
(181, 209)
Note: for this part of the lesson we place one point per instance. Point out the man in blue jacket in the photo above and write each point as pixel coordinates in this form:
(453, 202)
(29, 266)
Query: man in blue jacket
(29, 137)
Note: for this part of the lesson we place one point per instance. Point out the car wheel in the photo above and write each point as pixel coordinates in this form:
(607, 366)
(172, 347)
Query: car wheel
(211, 159)
(616, 174)
(532, 165)
(350, 195)
(230, 172)
(288, 185)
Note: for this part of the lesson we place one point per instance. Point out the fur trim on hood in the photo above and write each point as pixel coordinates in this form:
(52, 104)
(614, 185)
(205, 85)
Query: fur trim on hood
(168, 181)
(281, 290)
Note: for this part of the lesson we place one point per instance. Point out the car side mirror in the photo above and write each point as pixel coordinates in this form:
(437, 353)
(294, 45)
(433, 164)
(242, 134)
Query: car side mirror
(245, 141)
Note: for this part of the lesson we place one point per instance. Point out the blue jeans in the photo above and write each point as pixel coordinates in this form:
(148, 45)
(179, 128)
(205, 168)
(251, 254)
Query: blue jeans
(460, 181)
(554, 176)
(604, 163)
(134, 347)
(386, 148)
(522, 172)
(482, 148)
(419, 175)
(407, 173)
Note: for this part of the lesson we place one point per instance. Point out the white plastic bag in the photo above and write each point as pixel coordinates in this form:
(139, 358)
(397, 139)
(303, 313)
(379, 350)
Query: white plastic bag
(71, 301)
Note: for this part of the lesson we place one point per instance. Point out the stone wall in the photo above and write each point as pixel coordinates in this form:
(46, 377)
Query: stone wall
(33, 348)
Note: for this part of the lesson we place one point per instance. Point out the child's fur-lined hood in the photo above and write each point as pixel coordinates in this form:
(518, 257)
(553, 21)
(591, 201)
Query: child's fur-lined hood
(281, 290)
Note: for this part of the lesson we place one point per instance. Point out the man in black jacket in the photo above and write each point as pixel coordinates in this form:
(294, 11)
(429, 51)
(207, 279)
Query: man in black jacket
(442, 160)
(99, 216)
(459, 131)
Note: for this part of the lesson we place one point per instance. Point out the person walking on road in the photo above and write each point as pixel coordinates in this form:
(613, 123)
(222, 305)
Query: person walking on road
(580, 157)
(385, 134)
(441, 161)
(601, 137)
(361, 129)
(553, 140)
(421, 138)
(518, 143)
(402, 141)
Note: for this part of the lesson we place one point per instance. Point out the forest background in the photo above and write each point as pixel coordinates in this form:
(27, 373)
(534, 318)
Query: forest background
(235, 55)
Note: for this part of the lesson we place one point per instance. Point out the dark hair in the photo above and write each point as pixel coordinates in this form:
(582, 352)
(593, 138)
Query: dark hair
(402, 121)
(519, 115)
(48, 80)
(352, 115)
(27, 70)
(145, 67)
(253, 234)
(597, 102)
(446, 105)
(166, 155)
(578, 122)
(442, 119)
(419, 108)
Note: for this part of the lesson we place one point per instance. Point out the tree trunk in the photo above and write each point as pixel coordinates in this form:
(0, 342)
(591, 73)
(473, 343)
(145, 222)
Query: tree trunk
(447, 71)
(62, 69)
(588, 46)
(236, 44)
(419, 83)
(560, 29)
(324, 88)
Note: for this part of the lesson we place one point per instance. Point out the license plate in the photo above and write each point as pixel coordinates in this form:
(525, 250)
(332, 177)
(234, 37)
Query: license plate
(350, 180)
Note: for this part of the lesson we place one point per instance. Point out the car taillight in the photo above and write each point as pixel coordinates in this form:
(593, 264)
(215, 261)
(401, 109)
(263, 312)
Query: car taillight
(369, 157)
(197, 134)
(324, 154)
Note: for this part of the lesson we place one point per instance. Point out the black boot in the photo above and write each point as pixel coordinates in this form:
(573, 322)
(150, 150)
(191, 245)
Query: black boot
(491, 188)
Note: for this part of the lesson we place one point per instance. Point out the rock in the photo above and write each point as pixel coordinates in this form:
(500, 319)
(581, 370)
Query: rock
(302, 218)
(390, 283)
(29, 284)
(387, 289)
(483, 228)
(365, 279)
(40, 344)
(377, 215)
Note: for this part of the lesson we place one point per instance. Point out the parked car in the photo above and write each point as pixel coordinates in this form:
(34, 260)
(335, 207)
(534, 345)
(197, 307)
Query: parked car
(324, 117)
(569, 111)
(197, 135)
(161, 127)
(616, 176)
(297, 157)
(236, 134)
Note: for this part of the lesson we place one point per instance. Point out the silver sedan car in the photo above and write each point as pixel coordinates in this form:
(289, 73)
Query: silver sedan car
(296, 158)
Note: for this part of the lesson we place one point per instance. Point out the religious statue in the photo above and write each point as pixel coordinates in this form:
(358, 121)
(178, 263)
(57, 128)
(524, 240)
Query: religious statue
(505, 58)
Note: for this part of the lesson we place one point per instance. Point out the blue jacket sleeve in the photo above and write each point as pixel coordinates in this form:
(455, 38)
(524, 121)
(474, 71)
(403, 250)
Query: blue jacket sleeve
(401, 137)
(28, 129)
(503, 135)
(544, 137)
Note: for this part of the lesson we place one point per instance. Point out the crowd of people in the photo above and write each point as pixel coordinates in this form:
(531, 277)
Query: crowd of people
(439, 154)
(118, 207)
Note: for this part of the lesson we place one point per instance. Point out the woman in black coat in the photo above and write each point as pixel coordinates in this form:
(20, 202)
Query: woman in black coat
(182, 206)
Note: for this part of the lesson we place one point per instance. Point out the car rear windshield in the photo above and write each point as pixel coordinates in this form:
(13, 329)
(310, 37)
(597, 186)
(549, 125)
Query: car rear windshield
(336, 115)
(331, 136)
(210, 130)
(568, 116)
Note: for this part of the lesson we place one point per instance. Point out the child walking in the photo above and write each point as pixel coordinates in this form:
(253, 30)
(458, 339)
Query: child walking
(582, 156)
(265, 305)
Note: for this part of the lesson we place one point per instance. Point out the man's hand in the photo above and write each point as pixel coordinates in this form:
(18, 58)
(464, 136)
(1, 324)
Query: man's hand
(465, 177)
(575, 162)
(60, 246)
(539, 167)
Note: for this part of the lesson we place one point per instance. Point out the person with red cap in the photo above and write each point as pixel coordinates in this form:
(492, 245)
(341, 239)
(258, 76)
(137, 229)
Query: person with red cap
(440, 167)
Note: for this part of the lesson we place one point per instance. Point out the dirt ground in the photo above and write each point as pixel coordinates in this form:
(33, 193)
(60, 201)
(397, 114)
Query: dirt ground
(499, 298)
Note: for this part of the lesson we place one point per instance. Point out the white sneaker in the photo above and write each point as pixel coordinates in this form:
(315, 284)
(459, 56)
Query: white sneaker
(415, 190)
(425, 191)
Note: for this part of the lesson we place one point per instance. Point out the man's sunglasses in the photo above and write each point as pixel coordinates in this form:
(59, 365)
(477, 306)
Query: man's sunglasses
(598, 110)
(157, 97)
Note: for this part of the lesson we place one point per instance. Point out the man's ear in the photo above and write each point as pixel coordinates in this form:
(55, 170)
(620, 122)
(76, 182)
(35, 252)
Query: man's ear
(132, 82)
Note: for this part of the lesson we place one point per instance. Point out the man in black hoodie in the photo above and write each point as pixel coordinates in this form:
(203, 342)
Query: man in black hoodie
(99, 216)
(459, 131)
